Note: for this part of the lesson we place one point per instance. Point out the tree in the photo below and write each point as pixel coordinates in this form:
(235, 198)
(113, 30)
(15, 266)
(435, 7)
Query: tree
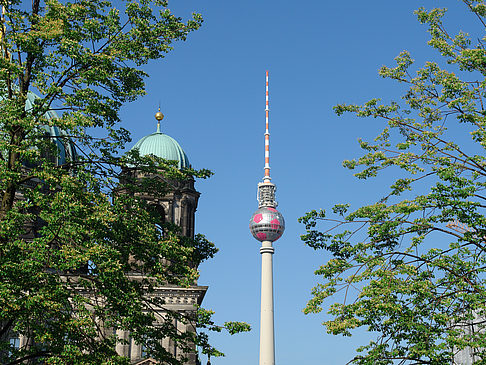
(68, 236)
(410, 268)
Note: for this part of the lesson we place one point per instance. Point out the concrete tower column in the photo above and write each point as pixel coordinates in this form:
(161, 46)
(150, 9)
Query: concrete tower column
(267, 341)
(267, 225)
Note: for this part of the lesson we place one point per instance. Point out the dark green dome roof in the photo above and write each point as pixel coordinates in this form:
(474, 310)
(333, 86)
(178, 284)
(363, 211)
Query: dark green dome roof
(163, 146)
(66, 150)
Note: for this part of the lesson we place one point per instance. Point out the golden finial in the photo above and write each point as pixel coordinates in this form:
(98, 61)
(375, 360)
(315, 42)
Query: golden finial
(159, 116)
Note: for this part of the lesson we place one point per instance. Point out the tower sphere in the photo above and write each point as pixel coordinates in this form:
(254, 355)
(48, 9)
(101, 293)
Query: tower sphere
(267, 224)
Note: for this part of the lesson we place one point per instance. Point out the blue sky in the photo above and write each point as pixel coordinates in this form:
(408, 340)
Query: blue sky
(212, 91)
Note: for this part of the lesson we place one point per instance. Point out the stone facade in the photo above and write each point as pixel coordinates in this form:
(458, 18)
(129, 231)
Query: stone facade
(178, 206)
(470, 328)
(177, 299)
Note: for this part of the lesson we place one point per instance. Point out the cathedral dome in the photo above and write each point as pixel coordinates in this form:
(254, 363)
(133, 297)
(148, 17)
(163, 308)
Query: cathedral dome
(163, 146)
(65, 147)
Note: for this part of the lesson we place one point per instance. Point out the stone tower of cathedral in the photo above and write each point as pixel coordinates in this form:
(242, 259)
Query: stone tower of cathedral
(178, 206)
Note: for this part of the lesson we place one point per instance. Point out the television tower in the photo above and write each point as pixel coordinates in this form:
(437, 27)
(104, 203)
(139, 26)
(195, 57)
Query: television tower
(267, 225)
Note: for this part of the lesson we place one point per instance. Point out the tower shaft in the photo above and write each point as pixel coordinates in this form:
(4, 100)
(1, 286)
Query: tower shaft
(267, 340)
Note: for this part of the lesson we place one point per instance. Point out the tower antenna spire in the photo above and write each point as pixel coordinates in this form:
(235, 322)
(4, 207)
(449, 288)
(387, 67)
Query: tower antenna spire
(267, 178)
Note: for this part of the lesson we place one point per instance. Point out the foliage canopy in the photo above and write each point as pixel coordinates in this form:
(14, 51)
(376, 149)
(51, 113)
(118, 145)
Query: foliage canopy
(411, 268)
(67, 238)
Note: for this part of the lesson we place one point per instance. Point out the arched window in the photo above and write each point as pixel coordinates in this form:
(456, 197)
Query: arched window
(158, 212)
(14, 342)
(143, 351)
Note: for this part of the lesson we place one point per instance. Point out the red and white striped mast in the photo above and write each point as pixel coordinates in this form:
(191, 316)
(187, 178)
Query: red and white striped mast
(267, 225)
(267, 178)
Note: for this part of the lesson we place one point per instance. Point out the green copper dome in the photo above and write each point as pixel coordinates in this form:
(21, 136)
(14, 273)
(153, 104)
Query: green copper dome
(163, 146)
(65, 147)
